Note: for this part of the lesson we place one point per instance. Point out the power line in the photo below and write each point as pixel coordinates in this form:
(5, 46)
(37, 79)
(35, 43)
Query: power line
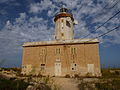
(106, 5)
(104, 23)
(108, 31)
(104, 33)
(111, 6)
(107, 20)
(115, 4)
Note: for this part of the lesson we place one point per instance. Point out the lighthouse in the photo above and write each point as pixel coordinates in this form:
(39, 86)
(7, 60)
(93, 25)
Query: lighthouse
(64, 25)
(63, 56)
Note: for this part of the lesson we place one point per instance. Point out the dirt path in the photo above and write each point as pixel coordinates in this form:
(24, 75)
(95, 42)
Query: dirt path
(66, 83)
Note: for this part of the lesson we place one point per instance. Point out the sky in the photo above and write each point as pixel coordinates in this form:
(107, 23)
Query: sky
(32, 20)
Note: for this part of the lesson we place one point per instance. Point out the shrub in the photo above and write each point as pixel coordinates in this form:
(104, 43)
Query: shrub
(117, 73)
(47, 79)
(12, 84)
(109, 85)
(110, 73)
(67, 76)
(89, 75)
(85, 86)
(76, 76)
(43, 86)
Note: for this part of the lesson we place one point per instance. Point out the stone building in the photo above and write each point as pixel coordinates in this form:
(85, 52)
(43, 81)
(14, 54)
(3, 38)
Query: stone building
(64, 55)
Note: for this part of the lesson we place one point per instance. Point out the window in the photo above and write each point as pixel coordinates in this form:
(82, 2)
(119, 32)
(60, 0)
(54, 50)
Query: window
(58, 51)
(42, 55)
(68, 23)
(42, 66)
(74, 67)
(42, 51)
(73, 50)
(62, 20)
(73, 53)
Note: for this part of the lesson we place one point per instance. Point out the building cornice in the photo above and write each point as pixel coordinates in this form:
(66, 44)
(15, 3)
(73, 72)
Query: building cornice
(61, 42)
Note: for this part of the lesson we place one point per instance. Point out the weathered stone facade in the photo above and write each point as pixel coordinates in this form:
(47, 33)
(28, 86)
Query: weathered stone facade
(63, 56)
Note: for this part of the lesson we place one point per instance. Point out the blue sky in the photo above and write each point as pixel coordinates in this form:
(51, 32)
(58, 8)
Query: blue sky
(32, 20)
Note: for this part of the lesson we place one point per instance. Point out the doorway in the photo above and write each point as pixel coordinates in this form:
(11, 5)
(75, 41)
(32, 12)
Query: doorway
(58, 69)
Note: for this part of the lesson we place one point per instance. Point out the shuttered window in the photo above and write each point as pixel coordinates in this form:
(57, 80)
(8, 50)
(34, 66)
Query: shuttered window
(57, 51)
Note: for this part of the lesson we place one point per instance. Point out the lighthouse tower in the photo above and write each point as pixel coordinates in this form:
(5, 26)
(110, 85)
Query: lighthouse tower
(64, 24)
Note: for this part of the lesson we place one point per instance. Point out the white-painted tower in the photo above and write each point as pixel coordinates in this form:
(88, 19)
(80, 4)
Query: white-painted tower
(64, 25)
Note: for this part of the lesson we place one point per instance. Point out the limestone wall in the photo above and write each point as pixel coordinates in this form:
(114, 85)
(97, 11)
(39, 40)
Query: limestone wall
(79, 59)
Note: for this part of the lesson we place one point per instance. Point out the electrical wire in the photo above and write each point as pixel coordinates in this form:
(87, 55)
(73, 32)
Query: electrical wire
(103, 23)
(104, 33)
(107, 20)
(111, 6)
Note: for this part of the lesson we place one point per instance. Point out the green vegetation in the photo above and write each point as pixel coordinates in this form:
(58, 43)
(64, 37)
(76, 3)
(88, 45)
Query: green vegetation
(110, 73)
(12, 84)
(110, 80)
(110, 85)
(67, 76)
(12, 79)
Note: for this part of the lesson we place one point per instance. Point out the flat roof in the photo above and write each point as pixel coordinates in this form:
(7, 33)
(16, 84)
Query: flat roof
(60, 42)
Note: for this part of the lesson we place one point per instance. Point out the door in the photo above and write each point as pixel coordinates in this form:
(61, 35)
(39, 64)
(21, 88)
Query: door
(57, 69)
(91, 68)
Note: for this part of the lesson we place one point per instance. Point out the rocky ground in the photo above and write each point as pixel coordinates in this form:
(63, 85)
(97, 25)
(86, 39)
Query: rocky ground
(12, 79)
(66, 83)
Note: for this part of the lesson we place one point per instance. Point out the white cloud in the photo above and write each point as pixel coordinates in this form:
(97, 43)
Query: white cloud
(68, 3)
(23, 30)
(33, 28)
(35, 8)
(43, 5)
